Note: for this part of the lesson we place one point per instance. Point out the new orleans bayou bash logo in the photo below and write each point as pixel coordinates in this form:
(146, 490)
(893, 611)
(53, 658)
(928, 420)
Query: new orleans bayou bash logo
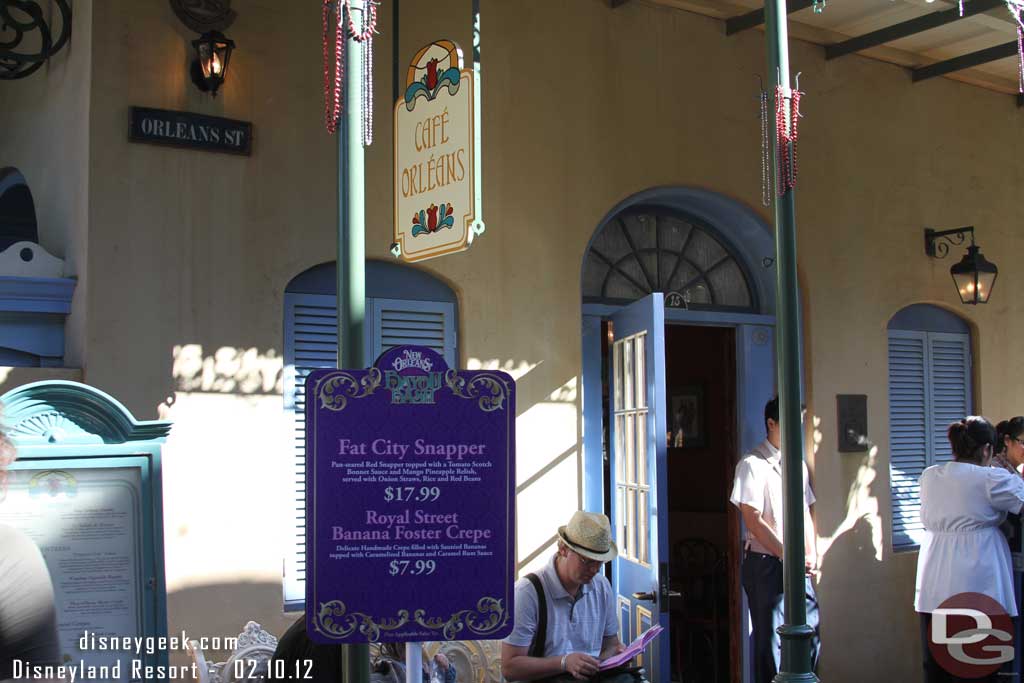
(413, 389)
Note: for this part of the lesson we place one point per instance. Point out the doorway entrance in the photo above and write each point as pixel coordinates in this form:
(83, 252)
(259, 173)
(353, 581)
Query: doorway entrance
(681, 402)
(678, 361)
(703, 528)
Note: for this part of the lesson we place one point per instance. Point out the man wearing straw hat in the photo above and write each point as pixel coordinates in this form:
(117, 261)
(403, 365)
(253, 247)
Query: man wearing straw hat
(577, 628)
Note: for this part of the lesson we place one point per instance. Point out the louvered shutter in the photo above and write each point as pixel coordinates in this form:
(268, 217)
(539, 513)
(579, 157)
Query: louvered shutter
(311, 342)
(908, 432)
(310, 333)
(949, 386)
(929, 388)
(425, 323)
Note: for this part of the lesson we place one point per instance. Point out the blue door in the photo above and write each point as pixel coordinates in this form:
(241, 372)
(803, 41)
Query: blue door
(639, 444)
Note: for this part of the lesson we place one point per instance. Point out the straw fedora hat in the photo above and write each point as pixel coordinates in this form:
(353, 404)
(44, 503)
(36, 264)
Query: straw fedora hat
(590, 535)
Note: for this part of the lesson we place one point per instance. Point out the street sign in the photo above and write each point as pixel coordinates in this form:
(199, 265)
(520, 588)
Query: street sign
(435, 155)
(410, 490)
(189, 130)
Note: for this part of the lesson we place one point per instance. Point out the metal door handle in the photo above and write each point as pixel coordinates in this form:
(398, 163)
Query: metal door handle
(645, 596)
(673, 594)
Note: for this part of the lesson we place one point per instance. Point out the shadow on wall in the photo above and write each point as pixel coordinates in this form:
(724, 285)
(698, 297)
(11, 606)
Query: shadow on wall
(220, 611)
(852, 574)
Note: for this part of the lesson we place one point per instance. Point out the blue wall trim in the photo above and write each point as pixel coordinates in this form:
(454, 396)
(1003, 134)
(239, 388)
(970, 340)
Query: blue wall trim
(928, 318)
(384, 280)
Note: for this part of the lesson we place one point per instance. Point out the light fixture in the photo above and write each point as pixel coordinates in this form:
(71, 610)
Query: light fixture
(974, 276)
(213, 52)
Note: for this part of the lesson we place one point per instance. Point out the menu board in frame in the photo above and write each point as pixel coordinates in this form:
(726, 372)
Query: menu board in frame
(410, 477)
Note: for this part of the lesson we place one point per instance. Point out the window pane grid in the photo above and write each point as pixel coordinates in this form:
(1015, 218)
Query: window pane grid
(640, 377)
(631, 448)
(627, 373)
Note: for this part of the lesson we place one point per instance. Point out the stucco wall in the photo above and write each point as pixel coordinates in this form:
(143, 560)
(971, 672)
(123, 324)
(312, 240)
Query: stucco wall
(583, 106)
(45, 119)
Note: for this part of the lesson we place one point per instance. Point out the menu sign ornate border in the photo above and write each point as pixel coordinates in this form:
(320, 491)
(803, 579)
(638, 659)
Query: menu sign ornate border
(410, 490)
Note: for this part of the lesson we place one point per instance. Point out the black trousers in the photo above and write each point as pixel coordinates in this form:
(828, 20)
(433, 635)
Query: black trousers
(762, 582)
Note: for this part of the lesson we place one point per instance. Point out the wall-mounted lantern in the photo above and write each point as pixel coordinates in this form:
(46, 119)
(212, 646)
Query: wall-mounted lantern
(213, 52)
(974, 275)
(209, 18)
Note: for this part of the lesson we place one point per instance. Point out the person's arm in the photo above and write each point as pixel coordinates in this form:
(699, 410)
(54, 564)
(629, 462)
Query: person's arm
(810, 543)
(517, 665)
(764, 534)
(610, 646)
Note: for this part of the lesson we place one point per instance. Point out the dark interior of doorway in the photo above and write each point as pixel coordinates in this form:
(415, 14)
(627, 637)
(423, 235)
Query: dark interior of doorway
(700, 374)
(704, 528)
(700, 391)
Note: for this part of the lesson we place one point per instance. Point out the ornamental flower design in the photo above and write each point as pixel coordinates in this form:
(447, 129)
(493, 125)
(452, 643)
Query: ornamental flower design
(432, 219)
(431, 75)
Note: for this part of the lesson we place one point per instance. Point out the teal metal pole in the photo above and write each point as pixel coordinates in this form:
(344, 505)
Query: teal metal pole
(351, 262)
(796, 634)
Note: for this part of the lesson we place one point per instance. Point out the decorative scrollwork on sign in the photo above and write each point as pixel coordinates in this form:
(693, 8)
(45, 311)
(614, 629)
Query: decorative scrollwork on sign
(204, 15)
(334, 619)
(492, 390)
(336, 389)
(21, 18)
(489, 616)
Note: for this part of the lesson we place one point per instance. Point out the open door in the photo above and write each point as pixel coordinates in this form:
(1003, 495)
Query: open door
(638, 438)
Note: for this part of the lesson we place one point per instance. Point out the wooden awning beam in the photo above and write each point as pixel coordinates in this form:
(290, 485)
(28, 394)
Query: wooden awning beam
(909, 28)
(985, 56)
(755, 18)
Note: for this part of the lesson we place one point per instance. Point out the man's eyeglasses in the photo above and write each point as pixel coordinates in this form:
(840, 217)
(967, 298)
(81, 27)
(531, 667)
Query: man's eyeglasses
(586, 561)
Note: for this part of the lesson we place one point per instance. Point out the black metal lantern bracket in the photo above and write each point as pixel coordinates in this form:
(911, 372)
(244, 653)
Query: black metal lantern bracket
(956, 237)
(974, 276)
(19, 18)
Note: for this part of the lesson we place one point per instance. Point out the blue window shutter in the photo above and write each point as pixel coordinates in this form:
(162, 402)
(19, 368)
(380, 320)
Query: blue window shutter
(908, 432)
(949, 383)
(310, 342)
(929, 388)
(426, 323)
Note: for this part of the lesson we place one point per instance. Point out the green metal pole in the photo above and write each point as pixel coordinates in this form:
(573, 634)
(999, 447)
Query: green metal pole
(796, 634)
(351, 262)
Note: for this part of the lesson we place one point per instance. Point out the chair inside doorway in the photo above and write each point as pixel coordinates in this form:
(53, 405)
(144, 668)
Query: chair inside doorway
(697, 615)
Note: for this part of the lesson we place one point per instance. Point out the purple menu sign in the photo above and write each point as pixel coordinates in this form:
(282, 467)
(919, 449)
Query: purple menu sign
(410, 501)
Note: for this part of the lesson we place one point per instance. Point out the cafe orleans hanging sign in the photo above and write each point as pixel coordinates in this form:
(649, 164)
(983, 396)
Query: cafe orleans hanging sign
(437, 165)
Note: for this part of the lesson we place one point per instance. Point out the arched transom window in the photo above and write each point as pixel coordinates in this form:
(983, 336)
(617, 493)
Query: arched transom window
(651, 250)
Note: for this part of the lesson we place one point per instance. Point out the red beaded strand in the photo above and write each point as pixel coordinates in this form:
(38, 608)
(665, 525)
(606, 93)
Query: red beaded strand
(332, 92)
(369, 27)
(786, 135)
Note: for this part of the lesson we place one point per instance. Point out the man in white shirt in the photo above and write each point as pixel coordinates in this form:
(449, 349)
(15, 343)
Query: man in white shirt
(757, 492)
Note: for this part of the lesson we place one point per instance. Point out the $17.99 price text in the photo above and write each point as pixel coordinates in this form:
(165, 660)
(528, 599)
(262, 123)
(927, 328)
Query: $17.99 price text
(423, 494)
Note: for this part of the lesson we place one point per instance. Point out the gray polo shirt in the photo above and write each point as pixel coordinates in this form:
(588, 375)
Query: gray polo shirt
(578, 625)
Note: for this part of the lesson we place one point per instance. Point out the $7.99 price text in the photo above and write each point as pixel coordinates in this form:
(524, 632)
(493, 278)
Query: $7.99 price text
(400, 567)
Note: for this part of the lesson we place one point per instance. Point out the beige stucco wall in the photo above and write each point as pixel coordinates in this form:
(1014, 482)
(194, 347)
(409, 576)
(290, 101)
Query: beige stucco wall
(45, 119)
(583, 106)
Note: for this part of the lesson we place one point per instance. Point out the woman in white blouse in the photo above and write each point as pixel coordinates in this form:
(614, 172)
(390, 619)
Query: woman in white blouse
(962, 505)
